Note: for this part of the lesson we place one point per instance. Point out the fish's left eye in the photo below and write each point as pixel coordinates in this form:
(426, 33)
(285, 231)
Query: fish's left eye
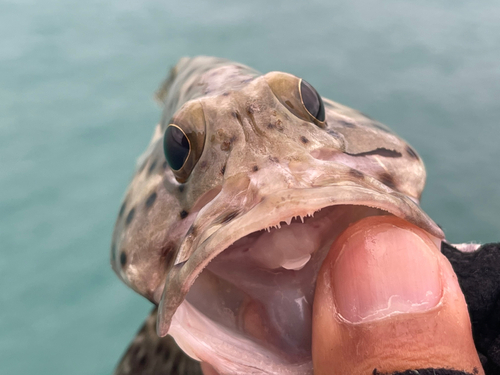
(312, 101)
(298, 96)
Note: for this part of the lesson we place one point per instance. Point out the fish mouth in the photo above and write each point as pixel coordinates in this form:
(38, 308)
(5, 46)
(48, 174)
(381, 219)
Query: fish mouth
(244, 298)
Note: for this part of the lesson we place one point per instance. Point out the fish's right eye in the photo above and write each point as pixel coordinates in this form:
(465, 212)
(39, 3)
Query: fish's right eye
(176, 146)
(184, 140)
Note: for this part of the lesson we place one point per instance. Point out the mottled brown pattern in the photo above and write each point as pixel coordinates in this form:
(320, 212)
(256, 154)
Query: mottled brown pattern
(149, 354)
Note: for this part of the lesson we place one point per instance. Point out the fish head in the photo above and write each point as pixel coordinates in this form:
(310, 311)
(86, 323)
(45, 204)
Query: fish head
(245, 185)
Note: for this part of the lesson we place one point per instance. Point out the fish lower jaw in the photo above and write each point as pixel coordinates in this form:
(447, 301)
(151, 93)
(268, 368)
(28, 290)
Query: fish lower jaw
(251, 307)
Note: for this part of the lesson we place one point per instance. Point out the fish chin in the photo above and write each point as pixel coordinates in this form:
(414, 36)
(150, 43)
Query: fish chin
(250, 309)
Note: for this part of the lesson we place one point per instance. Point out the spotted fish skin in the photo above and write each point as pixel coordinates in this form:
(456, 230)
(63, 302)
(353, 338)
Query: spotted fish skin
(155, 214)
(261, 164)
(153, 355)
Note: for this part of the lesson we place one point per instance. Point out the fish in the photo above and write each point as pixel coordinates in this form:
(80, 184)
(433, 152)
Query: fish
(246, 183)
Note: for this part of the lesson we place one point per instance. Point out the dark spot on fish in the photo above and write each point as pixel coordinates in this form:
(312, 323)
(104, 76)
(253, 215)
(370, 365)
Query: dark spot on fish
(238, 117)
(255, 168)
(379, 151)
(225, 146)
(164, 165)
(347, 124)
(250, 110)
(278, 125)
(388, 180)
(356, 174)
(229, 217)
(123, 258)
(167, 253)
(122, 208)
(223, 169)
(333, 133)
(274, 159)
(181, 188)
(159, 347)
(203, 165)
(152, 167)
(289, 104)
(411, 152)
(184, 214)
(143, 360)
(304, 140)
(130, 216)
(225, 94)
(175, 368)
(191, 231)
(151, 199)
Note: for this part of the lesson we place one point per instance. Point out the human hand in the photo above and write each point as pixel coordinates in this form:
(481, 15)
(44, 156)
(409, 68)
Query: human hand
(387, 300)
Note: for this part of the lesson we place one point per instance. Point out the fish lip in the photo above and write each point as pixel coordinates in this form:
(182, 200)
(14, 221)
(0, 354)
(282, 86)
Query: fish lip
(305, 202)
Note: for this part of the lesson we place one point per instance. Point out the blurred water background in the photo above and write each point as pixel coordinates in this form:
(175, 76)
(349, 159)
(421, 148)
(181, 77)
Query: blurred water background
(76, 109)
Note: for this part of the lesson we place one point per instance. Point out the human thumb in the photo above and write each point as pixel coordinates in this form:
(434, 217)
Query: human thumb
(388, 301)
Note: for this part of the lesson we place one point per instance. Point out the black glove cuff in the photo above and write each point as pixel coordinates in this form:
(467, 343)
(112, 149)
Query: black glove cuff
(478, 274)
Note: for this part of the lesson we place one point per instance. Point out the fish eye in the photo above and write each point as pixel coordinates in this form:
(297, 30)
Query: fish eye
(298, 96)
(311, 100)
(184, 139)
(176, 146)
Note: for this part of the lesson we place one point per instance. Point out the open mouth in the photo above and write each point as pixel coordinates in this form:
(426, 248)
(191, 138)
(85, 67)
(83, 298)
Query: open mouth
(251, 306)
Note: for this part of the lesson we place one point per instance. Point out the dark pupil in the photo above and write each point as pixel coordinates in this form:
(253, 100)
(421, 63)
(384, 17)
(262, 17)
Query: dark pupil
(176, 147)
(312, 101)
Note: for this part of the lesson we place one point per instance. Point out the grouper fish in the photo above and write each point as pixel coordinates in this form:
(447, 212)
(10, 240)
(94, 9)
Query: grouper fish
(247, 182)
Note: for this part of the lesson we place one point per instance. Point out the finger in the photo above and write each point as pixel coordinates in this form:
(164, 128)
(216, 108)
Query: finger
(388, 300)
